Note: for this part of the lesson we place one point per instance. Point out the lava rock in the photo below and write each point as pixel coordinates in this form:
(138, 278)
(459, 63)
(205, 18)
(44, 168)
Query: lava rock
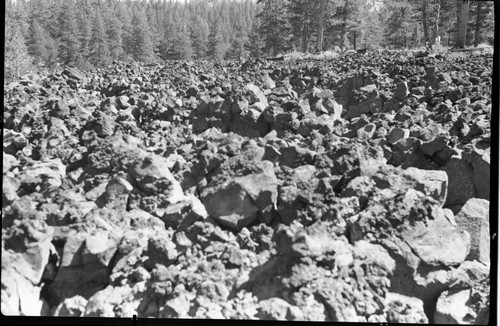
(474, 218)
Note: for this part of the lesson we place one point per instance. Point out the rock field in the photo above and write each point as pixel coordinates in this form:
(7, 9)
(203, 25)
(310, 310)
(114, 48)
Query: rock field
(355, 189)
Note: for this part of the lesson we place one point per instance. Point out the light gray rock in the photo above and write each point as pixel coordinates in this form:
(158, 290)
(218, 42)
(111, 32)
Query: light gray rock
(432, 183)
(403, 309)
(103, 303)
(438, 243)
(257, 95)
(71, 307)
(451, 307)
(474, 218)
(367, 131)
(10, 185)
(19, 296)
(51, 172)
(274, 309)
(177, 307)
(9, 162)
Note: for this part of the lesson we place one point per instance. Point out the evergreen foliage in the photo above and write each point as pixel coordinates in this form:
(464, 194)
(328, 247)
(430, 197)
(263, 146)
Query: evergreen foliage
(17, 59)
(90, 33)
(41, 46)
(99, 52)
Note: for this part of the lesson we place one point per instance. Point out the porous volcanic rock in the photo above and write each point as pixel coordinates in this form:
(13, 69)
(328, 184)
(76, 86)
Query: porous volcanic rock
(353, 190)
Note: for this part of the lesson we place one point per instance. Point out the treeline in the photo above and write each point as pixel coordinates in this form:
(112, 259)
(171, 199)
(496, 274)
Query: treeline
(304, 25)
(92, 33)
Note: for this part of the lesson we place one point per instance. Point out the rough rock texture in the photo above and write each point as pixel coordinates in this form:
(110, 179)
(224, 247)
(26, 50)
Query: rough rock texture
(474, 218)
(352, 190)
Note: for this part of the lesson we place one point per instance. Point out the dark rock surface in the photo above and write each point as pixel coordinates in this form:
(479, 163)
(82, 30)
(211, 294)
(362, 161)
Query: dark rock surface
(355, 190)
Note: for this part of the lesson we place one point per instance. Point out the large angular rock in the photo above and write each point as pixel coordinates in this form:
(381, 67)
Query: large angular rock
(438, 243)
(50, 173)
(10, 186)
(403, 309)
(402, 91)
(103, 303)
(27, 247)
(236, 203)
(277, 309)
(9, 162)
(184, 212)
(432, 146)
(13, 141)
(460, 183)
(451, 307)
(367, 131)
(71, 307)
(372, 104)
(19, 296)
(481, 175)
(433, 183)
(396, 134)
(151, 175)
(257, 95)
(84, 264)
(474, 218)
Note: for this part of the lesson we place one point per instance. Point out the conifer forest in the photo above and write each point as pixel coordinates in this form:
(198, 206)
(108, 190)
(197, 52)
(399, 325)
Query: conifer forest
(92, 33)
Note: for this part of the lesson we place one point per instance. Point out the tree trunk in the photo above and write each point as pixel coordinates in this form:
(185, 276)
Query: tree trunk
(404, 30)
(304, 37)
(424, 22)
(462, 23)
(342, 37)
(321, 25)
(435, 31)
(479, 20)
(344, 27)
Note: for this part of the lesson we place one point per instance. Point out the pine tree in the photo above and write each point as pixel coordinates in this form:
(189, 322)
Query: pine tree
(153, 18)
(84, 22)
(275, 26)
(37, 45)
(99, 52)
(17, 60)
(142, 47)
(255, 42)
(200, 32)
(182, 41)
(482, 23)
(69, 45)
(487, 23)
(302, 20)
(41, 46)
(169, 33)
(239, 35)
(125, 16)
(115, 39)
(217, 43)
(400, 22)
(371, 28)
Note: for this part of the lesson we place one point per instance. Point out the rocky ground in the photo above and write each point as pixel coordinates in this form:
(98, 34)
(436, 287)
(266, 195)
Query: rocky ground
(355, 189)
